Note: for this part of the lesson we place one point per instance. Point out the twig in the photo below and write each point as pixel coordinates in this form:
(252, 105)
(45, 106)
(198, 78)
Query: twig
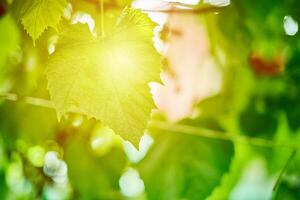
(208, 133)
(176, 128)
(102, 17)
(284, 169)
(28, 100)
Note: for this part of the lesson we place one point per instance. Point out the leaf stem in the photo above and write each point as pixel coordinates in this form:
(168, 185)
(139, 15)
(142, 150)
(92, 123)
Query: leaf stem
(176, 128)
(102, 17)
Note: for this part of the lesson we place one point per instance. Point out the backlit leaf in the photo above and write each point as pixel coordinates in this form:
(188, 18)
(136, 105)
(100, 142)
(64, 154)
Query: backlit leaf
(107, 77)
(38, 15)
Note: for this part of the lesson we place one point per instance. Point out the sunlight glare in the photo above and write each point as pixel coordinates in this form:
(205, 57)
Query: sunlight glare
(131, 184)
(290, 25)
(135, 155)
(68, 11)
(189, 2)
(219, 3)
(36, 155)
(55, 168)
(84, 18)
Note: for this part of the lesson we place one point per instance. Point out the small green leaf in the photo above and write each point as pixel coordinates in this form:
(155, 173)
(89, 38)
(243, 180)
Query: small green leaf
(37, 15)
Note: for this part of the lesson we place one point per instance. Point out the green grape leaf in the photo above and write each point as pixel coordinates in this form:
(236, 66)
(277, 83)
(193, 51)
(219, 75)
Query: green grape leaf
(107, 77)
(181, 166)
(37, 15)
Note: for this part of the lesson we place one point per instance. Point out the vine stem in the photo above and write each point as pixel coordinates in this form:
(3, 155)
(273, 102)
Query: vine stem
(213, 134)
(176, 128)
(28, 100)
(293, 154)
(102, 17)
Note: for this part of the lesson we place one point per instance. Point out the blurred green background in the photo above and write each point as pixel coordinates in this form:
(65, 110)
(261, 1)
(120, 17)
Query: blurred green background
(206, 153)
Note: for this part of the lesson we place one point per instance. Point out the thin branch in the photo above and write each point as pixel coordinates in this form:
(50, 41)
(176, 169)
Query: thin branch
(284, 169)
(208, 133)
(102, 17)
(176, 128)
(28, 100)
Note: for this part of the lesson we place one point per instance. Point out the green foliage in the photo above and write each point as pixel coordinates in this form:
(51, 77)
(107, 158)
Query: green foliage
(37, 15)
(9, 40)
(265, 99)
(98, 80)
(184, 166)
(266, 121)
(94, 177)
(27, 129)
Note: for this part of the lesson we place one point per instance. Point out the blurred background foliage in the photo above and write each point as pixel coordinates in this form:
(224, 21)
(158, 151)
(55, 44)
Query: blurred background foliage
(255, 49)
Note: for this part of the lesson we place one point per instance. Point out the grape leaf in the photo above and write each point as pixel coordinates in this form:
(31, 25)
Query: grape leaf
(37, 15)
(107, 77)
